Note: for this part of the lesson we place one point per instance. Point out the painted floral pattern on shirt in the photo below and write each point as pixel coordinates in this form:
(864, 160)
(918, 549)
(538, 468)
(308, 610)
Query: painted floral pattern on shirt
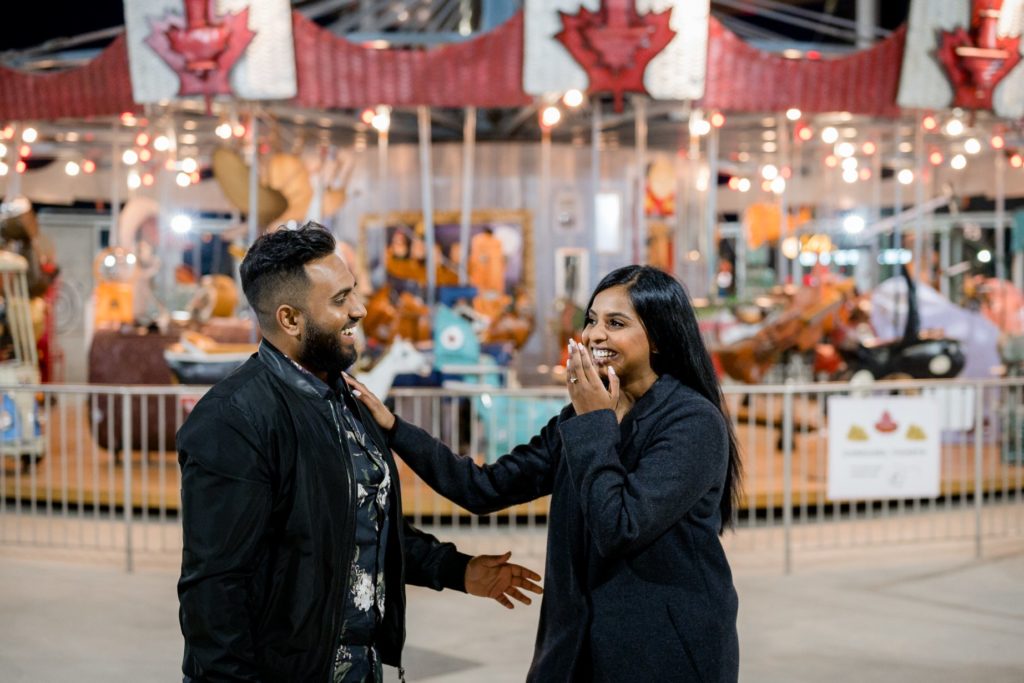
(356, 660)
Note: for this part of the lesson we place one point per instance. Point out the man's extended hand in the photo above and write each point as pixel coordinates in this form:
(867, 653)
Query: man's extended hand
(493, 576)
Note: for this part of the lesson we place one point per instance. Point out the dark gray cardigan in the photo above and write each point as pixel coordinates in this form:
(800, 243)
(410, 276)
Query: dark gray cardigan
(637, 586)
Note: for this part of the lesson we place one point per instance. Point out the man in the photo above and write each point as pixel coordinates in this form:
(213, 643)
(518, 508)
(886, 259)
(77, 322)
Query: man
(296, 553)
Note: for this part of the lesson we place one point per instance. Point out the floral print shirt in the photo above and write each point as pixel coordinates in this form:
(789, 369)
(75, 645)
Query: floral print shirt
(356, 660)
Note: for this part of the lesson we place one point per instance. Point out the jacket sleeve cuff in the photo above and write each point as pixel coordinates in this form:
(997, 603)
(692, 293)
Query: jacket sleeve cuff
(453, 570)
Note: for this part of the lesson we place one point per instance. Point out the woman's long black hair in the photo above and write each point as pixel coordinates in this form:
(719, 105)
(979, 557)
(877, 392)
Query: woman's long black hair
(671, 324)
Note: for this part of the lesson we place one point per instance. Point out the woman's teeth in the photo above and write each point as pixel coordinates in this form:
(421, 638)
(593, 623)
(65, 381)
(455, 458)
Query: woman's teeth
(602, 354)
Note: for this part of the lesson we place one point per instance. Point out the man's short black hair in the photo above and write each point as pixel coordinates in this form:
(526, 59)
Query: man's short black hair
(273, 271)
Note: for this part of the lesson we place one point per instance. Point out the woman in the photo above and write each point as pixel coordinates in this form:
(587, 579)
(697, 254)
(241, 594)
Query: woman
(644, 476)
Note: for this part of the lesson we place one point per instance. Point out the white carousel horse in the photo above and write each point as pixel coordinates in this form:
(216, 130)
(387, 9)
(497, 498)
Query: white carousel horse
(401, 357)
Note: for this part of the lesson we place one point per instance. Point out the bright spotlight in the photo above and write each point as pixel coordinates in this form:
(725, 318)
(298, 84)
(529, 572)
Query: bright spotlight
(853, 224)
(181, 224)
(572, 98)
(550, 116)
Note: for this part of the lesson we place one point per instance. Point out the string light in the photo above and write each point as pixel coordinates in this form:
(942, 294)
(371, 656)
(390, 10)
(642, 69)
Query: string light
(572, 98)
(793, 114)
(550, 116)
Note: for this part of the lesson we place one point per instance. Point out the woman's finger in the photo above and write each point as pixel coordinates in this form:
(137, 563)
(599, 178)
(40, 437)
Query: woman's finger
(589, 368)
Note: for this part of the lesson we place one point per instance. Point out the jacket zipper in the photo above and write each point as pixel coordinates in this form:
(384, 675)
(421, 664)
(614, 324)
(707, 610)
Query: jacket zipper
(336, 635)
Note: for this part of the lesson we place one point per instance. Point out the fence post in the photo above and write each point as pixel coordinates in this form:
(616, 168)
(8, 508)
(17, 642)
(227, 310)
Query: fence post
(787, 474)
(126, 459)
(979, 489)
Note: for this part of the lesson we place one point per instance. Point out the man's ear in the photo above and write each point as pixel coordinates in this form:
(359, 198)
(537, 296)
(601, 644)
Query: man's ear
(290, 320)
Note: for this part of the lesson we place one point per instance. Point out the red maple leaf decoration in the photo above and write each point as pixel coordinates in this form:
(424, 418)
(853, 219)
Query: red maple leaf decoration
(978, 60)
(201, 47)
(615, 44)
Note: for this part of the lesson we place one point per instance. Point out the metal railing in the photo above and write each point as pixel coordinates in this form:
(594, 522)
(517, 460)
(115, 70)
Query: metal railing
(95, 466)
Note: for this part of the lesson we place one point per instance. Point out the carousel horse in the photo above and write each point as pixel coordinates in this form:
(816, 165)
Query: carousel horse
(810, 316)
(400, 358)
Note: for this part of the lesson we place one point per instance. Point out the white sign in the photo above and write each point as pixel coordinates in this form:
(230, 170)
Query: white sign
(924, 83)
(883, 447)
(675, 73)
(265, 70)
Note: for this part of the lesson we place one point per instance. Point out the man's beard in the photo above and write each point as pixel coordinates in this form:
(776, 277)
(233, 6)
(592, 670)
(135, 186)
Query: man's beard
(322, 351)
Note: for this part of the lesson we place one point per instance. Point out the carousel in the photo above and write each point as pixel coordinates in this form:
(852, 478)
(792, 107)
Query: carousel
(845, 214)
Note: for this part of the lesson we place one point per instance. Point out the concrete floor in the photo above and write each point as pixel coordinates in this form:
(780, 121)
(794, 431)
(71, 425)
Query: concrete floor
(925, 612)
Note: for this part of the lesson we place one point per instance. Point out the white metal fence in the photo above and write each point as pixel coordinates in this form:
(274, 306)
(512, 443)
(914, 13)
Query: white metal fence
(95, 466)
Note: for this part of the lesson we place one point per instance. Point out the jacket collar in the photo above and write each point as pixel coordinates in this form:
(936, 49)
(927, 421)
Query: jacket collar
(659, 392)
(293, 374)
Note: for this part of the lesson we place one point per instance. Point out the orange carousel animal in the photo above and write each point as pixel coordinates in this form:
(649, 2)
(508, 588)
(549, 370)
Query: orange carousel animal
(812, 313)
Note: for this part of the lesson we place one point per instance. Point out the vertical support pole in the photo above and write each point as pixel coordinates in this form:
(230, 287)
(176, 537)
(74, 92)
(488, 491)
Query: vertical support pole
(979, 492)
(782, 139)
(427, 188)
(787, 476)
(254, 204)
(595, 178)
(923, 271)
(1000, 215)
(13, 177)
(468, 154)
(875, 268)
(544, 210)
(867, 18)
(126, 459)
(115, 185)
(711, 214)
(640, 219)
(254, 179)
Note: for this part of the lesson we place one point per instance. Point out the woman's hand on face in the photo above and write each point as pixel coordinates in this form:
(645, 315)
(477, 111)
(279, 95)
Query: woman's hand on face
(586, 390)
(384, 417)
